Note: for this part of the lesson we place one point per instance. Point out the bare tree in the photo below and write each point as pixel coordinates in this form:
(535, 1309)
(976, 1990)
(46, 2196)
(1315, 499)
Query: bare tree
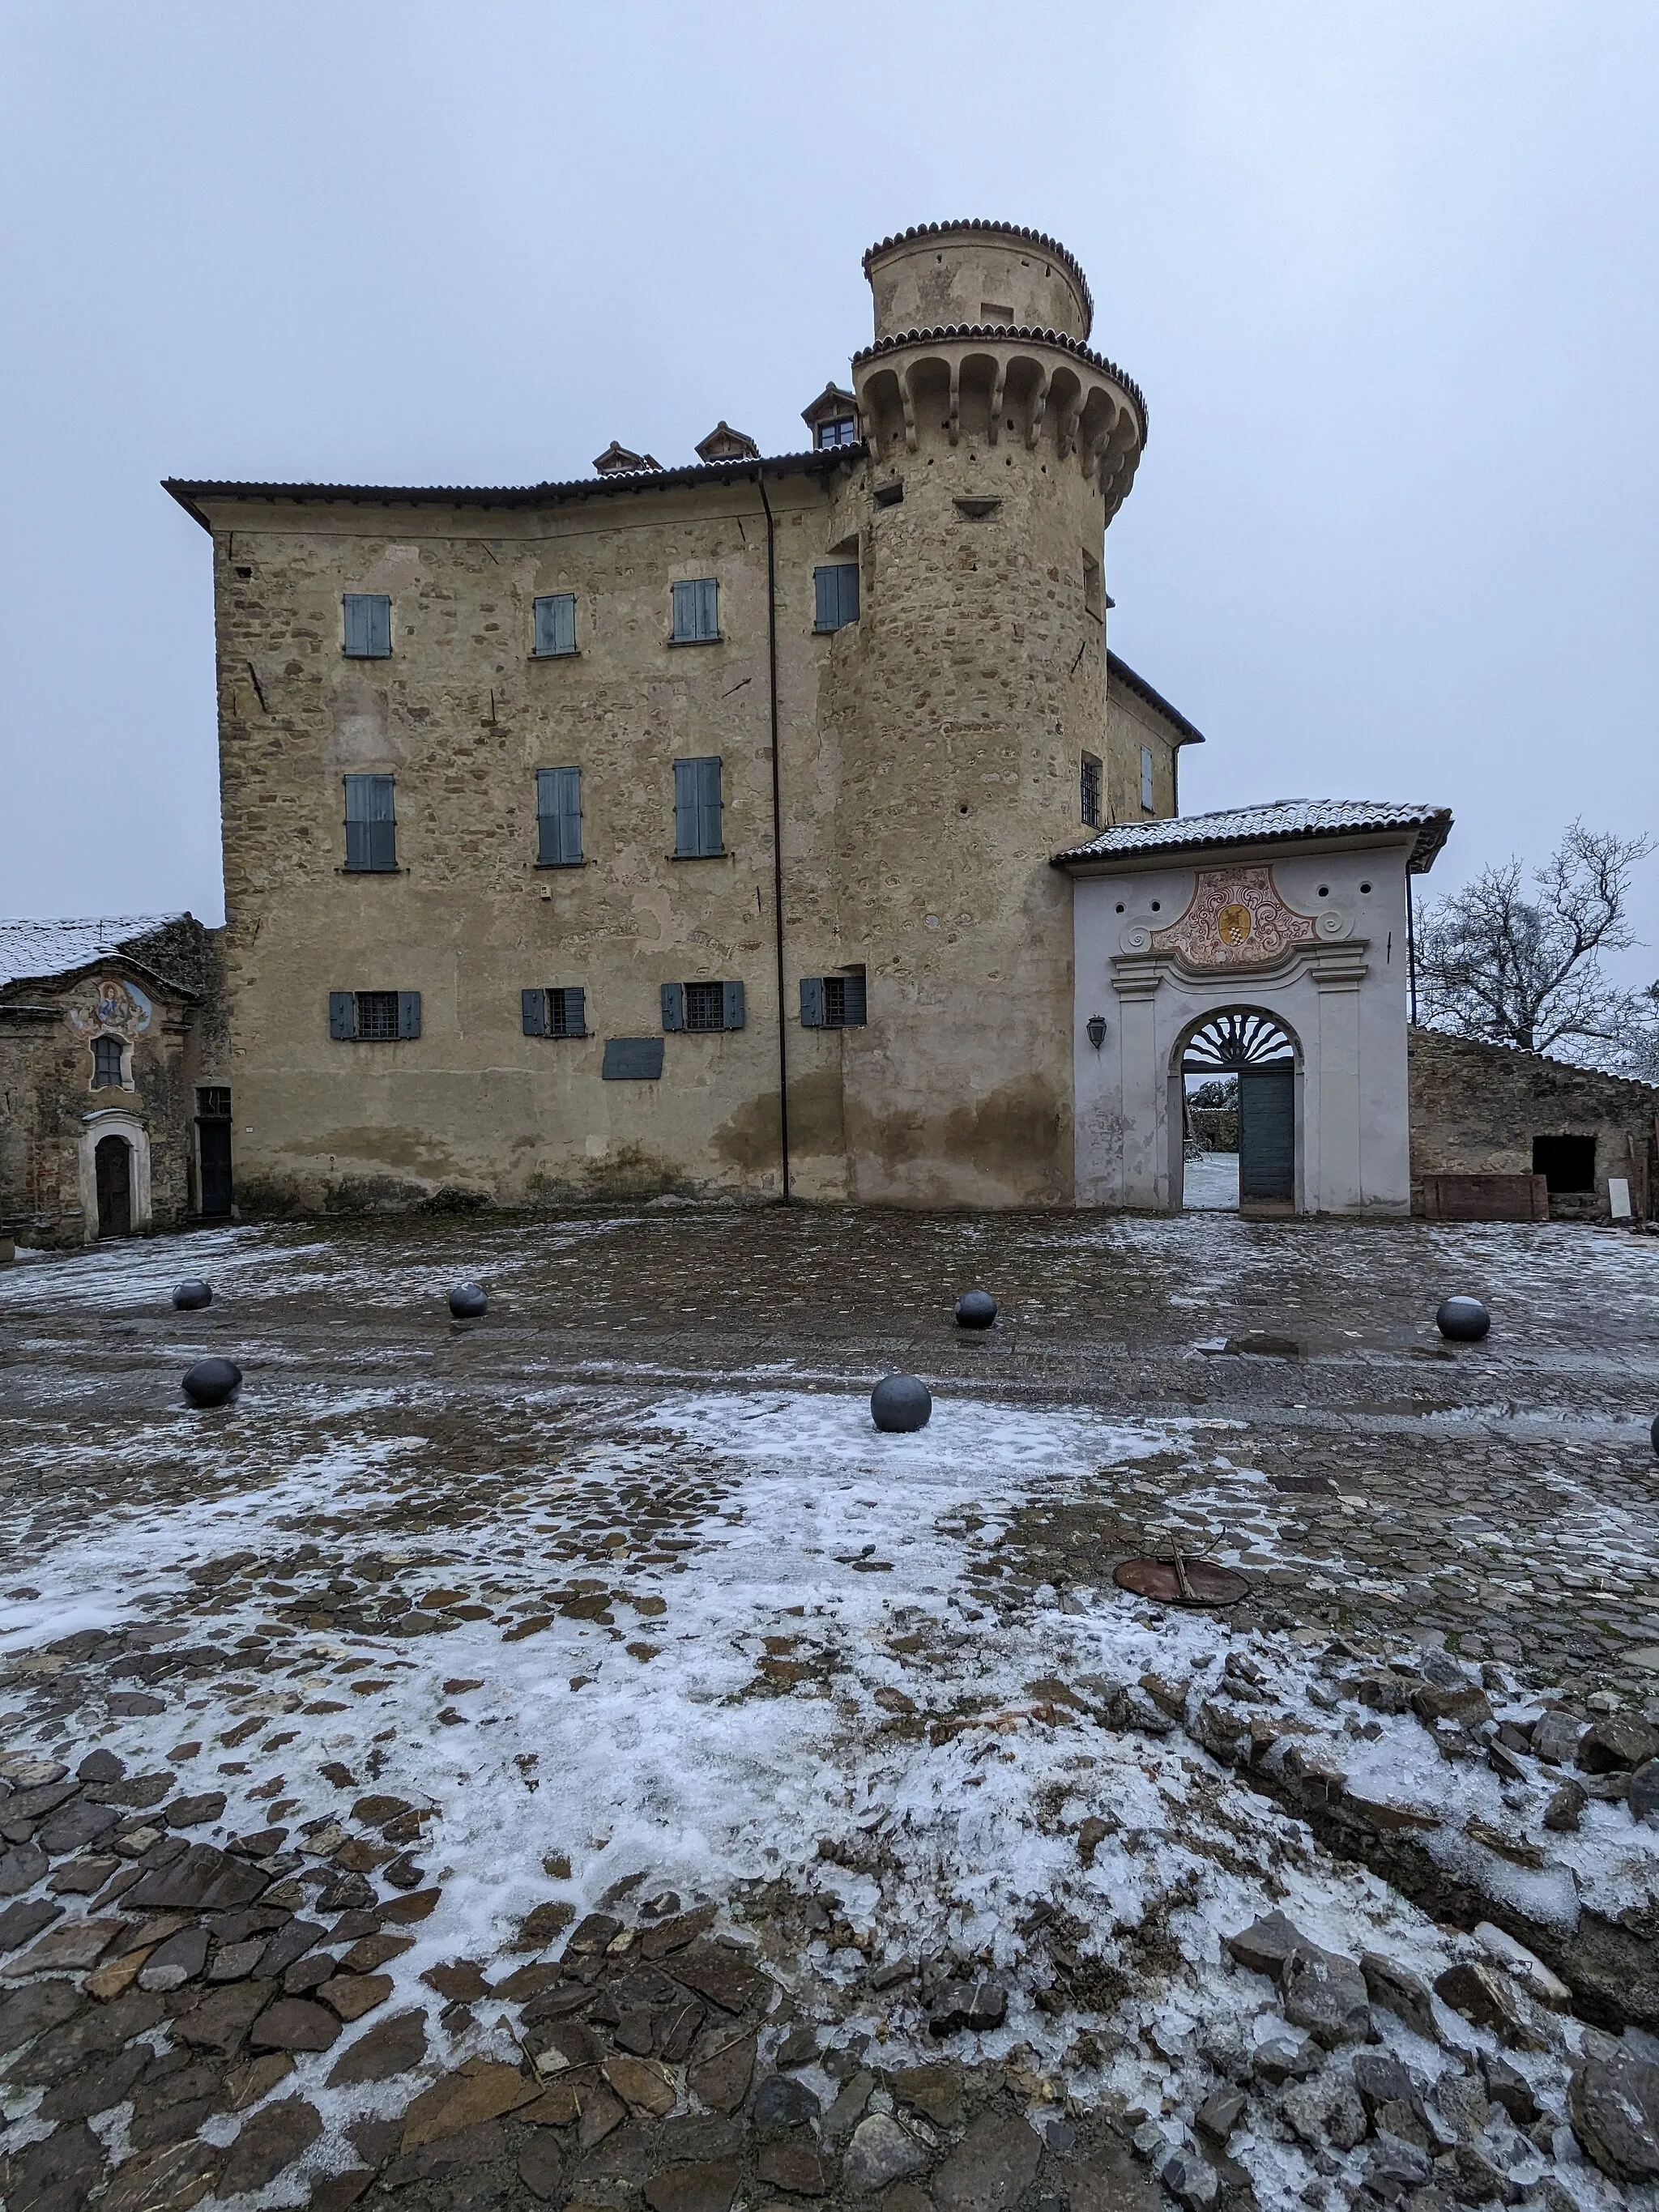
(1510, 967)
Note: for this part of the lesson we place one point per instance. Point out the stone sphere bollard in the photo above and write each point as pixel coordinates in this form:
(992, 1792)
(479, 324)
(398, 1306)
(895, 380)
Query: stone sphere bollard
(469, 1301)
(1465, 1320)
(211, 1382)
(900, 1403)
(975, 1310)
(190, 1297)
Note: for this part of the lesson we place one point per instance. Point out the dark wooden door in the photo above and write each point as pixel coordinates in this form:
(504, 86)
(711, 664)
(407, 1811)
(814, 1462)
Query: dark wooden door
(1266, 1134)
(215, 1165)
(113, 1158)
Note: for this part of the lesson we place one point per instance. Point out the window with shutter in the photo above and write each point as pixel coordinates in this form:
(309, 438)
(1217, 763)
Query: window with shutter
(342, 1016)
(698, 809)
(533, 1008)
(696, 611)
(367, 626)
(554, 625)
(567, 1012)
(731, 1005)
(835, 1002)
(673, 1006)
(371, 825)
(836, 594)
(1146, 800)
(559, 817)
(409, 1014)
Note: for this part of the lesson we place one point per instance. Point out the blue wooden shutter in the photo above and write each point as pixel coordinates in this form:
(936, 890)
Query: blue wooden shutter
(533, 1005)
(825, 598)
(731, 1005)
(559, 817)
(409, 1014)
(853, 1016)
(367, 625)
(811, 999)
(686, 786)
(575, 1011)
(556, 623)
(708, 592)
(710, 835)
(685, 609)
(673, 1006)
(342, 1016)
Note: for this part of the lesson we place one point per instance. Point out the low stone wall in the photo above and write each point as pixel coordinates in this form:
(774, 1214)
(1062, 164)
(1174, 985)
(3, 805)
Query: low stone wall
(1477, 1109)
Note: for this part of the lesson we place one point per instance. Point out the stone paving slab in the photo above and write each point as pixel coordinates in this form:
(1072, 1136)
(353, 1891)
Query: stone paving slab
(366, 1747)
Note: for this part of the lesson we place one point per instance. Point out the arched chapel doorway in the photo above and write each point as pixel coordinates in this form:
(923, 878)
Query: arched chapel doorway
(1244, 1065)
(112, 1160)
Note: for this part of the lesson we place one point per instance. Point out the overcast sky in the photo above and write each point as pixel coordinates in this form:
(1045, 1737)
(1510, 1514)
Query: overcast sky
(1385, 269)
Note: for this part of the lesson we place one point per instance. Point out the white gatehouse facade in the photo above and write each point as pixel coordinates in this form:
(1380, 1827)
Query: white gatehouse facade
(1270, 943)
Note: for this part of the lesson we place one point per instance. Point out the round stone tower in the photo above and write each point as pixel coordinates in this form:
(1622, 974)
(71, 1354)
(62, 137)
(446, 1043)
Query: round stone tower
(1000, 447)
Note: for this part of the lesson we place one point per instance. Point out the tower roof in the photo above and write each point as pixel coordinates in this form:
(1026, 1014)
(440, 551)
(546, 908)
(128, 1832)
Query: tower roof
(978, 226)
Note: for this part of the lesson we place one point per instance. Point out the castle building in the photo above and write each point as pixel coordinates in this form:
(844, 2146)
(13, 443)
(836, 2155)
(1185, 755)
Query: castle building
(773, 826)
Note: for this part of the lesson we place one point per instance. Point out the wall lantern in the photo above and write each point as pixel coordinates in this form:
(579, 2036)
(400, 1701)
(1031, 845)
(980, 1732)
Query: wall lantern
(1096, 1030)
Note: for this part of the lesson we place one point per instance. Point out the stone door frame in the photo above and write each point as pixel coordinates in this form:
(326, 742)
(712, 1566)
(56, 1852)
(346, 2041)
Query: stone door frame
(114, 1122)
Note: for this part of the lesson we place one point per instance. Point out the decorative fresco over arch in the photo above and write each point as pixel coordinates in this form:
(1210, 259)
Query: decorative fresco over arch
(1236, 920)
(108, 1003)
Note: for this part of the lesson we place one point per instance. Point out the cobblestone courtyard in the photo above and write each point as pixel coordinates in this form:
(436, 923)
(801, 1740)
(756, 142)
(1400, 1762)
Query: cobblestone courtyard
(571, 1758)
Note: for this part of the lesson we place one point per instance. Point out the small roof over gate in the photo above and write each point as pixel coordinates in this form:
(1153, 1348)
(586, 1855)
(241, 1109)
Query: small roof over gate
(1280, 822)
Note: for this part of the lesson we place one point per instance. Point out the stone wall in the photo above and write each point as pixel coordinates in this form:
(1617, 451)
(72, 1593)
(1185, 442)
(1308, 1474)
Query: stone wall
(1476, 1109)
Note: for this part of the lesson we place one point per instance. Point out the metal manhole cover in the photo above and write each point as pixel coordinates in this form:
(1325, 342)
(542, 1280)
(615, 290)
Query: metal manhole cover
(1182, 1582)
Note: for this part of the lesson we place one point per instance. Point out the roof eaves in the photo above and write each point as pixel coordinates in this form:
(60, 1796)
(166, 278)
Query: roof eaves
(1432, 826)
(1120, 669)
(1025, 334)
(190, 492)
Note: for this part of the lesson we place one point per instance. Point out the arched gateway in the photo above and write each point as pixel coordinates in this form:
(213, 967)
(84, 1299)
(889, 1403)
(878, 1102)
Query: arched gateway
(1272, 942)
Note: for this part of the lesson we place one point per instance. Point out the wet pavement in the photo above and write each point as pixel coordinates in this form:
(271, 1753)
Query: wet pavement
(443, 1636)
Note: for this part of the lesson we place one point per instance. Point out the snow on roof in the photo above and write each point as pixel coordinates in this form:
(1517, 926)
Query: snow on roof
(1281, 818)
(29, 950)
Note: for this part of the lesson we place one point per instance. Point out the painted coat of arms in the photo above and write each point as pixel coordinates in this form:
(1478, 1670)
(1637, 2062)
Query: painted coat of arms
(1236, 920)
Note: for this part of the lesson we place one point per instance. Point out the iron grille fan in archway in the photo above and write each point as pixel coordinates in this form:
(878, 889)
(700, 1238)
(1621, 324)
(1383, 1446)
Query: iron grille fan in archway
(1227, 1042)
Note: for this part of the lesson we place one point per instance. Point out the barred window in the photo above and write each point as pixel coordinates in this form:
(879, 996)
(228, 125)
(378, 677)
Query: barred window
(704, 1007)
(107, 1063)
(377, 1016)
(1090, 792)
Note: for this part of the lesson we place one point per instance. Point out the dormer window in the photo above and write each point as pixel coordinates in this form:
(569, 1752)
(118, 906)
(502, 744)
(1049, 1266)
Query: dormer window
(618, 460)
(723, 443)
(833, 419)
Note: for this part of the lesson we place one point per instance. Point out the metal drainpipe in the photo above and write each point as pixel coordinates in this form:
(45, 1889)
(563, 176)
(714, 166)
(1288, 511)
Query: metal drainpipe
(777, 830)
(1411, 950)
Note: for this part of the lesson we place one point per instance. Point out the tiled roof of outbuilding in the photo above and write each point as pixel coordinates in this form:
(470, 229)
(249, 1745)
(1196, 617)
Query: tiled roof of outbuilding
(33, 952)
(187, 491)
(1052, 247)
(1281, 820)
(943, 333)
